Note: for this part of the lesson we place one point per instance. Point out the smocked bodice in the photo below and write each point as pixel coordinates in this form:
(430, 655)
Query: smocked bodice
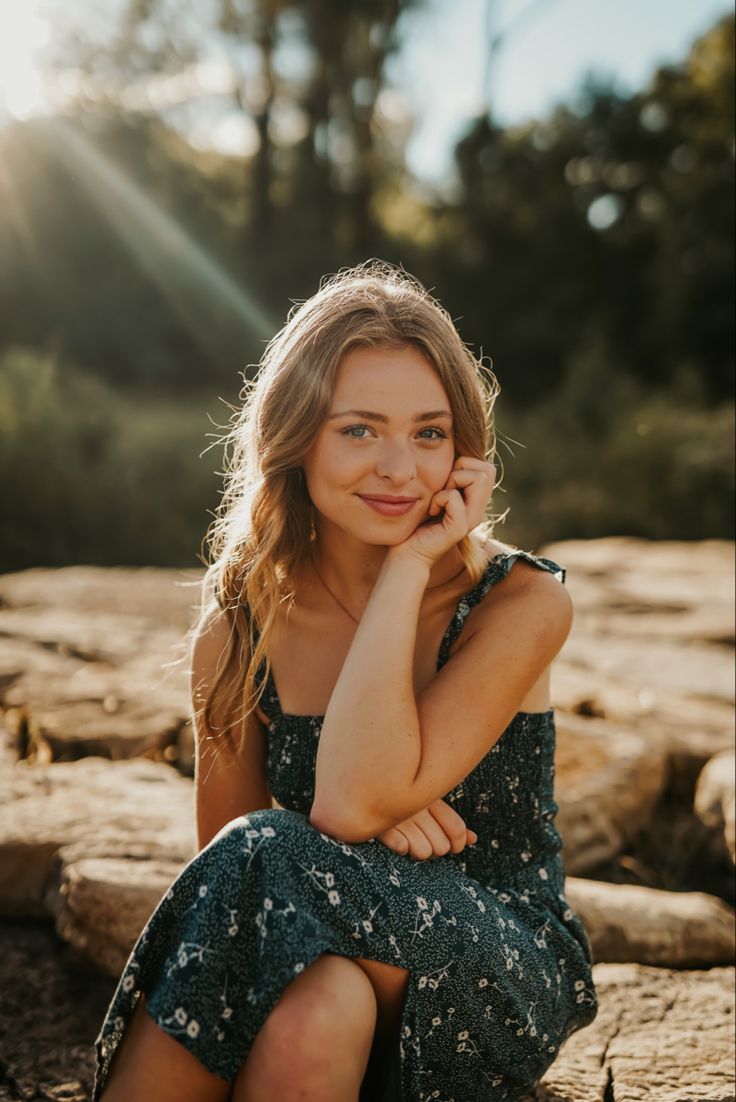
(507, 798)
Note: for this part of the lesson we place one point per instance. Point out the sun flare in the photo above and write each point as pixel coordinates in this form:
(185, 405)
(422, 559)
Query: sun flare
(23, 32)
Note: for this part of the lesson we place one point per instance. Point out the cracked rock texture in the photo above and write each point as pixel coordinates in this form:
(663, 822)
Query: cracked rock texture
(660, 1035)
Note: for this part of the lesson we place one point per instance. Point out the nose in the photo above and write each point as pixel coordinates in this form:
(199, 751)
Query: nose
(396, 462)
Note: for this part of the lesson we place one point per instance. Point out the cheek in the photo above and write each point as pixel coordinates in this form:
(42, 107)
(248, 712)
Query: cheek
(329, 462)
(437, 469)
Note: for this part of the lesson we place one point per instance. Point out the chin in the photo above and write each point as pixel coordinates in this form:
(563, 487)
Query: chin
(387, 535)
(375, 535)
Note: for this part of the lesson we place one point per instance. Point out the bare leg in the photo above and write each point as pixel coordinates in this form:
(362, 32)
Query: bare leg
(152, 1065)
(389, 984)
(314, 1045)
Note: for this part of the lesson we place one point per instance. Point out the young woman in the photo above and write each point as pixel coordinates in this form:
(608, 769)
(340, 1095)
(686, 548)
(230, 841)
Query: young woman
(377, 910)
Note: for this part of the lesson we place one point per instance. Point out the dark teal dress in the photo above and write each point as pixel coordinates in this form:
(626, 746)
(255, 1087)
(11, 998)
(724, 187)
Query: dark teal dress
(500, 966)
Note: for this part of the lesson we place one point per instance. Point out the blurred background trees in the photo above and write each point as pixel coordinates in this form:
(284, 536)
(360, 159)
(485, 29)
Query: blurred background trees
(589, 254)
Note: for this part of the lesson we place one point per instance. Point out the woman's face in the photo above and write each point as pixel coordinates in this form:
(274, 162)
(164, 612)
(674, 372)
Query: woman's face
(388, 434)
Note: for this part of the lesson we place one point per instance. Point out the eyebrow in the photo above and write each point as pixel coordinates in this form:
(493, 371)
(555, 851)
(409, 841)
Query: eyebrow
(431, 415)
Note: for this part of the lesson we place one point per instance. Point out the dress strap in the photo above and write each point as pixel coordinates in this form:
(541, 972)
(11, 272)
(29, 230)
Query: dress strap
(496, 569)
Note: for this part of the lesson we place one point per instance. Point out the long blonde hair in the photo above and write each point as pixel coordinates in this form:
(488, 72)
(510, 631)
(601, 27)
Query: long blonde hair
(264, 524)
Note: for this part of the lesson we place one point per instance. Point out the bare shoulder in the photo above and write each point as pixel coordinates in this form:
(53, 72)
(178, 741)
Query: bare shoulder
(210, 650)
(211, 635)
(230, 772)
(534, 592)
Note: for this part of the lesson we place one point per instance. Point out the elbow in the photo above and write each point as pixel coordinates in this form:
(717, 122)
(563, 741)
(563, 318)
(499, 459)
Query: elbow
(341, 824)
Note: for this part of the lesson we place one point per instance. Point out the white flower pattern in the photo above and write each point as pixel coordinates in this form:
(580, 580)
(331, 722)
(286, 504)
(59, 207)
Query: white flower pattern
(500, 965)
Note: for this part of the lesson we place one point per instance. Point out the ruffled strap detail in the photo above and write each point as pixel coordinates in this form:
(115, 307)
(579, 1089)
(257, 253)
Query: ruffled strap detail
(496, 570)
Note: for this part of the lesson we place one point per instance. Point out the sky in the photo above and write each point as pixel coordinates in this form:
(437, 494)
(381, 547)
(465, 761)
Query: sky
(543, 50)
(546, 48)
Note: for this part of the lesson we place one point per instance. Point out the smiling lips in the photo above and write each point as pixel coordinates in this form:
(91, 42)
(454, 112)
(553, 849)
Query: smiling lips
(387, 505)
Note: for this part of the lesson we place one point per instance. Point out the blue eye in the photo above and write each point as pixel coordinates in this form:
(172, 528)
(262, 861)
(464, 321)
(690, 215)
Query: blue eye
(353, 430)
(440, 434)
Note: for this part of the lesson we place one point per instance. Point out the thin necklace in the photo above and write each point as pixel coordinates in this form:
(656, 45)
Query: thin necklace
(335, 598)
(347, 612)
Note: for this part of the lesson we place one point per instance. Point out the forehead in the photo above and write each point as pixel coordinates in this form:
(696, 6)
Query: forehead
(398, 375)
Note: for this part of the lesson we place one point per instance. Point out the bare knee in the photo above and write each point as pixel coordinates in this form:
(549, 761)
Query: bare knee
(316, 1042)
(332, 999)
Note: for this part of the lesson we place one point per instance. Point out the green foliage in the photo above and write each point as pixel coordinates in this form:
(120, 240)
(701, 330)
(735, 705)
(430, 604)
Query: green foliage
(605, 455)
(92, 475)
(590, 254)
(618, 215)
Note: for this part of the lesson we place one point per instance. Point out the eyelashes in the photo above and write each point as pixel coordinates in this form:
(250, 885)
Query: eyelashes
(441, 434)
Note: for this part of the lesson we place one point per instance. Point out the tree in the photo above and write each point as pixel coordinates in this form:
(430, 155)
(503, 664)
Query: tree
(615, 219)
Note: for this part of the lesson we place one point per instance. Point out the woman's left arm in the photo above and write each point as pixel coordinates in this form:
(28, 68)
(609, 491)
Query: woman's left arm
(384, 753)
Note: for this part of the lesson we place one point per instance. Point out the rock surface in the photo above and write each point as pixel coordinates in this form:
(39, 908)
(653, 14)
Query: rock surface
(660, 1035)
(626, 922)
(643, 692)
(652, 641)
(715, 802)
(136, 810)
(92, 661)
(608, 783)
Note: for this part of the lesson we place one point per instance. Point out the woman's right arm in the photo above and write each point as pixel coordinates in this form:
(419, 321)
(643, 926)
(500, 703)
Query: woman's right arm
(230, 774)
(228, 785)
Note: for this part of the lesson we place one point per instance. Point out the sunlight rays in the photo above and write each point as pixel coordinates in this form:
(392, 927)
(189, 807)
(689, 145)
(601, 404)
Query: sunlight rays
(201, 293)
(14, 215)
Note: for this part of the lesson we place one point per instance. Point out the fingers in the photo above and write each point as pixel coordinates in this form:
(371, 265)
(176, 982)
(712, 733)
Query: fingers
(423, 842)
(420, 841)
(433, 832)
(467, 463)
(394, 839)
(477, 483)
(451, 501)
(453, 826)
(477, 479)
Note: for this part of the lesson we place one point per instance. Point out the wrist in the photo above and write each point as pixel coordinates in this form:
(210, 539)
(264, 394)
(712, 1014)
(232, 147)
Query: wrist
(407, 565)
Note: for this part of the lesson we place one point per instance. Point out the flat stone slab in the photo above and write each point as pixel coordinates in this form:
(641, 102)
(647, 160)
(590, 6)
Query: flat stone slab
(93, 661)
(608, 782)
(101, 904)
(652, 640)
(137, 810)
(631, 923)
(660, 1036)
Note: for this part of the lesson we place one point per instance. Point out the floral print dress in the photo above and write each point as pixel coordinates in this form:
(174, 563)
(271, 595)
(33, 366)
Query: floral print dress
(499, 964)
